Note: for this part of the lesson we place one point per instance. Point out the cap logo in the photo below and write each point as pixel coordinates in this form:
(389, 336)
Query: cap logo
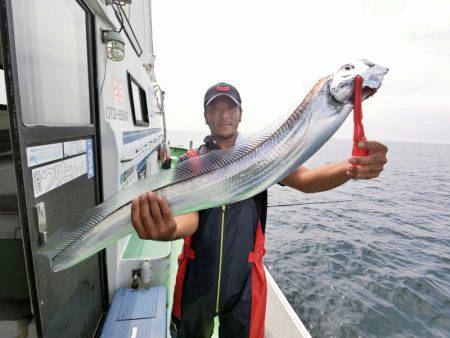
(223, 88)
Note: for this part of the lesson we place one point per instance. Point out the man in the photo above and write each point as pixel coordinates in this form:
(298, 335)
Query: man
(221, 270)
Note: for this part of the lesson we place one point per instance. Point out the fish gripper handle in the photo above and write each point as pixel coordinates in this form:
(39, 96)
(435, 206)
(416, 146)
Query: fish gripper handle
(358, 130)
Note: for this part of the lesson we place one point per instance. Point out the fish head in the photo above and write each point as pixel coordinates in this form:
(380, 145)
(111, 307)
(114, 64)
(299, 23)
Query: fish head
(342, 82)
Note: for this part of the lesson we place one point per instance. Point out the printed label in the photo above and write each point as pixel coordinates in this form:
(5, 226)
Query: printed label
(90, 158)
(51, 176)
(117, 90)
(44, 153)
(111, 113)
(127, 178)
(74, 147)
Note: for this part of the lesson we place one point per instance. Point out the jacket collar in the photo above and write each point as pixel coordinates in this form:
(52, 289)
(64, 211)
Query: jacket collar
(212, 144)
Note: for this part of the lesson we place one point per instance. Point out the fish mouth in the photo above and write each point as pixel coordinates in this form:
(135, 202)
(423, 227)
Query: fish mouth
(345, 92)
(369, 91)
(373, 80)
(366, 92)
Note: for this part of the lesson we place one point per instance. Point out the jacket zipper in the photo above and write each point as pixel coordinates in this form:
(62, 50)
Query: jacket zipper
(220, 257)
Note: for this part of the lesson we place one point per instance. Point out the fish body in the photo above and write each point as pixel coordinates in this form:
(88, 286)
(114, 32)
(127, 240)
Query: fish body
(224, 176)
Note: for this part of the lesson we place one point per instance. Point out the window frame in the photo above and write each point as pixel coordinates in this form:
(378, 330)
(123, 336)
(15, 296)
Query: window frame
(142, 102)
(90, 39)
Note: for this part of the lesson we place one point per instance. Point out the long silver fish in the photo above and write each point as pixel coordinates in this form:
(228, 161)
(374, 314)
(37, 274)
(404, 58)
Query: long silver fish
(224, 176)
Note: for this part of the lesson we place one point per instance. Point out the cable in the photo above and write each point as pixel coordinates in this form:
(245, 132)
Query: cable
(104, 77)
(288, 205)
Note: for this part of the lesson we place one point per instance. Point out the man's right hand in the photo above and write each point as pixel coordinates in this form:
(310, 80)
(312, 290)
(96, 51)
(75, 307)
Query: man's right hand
(152, 217)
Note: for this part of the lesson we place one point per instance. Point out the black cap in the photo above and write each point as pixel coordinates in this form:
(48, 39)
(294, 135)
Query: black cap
(220, 89)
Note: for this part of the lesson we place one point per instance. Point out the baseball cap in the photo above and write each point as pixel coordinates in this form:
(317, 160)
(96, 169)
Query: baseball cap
(220, 89)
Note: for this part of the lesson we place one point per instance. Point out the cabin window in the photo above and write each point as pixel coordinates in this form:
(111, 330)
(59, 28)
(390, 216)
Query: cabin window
(52, 54)
(138, 102)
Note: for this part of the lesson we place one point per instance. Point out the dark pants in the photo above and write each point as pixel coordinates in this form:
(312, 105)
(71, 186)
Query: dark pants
(197, 320)
(240, 315)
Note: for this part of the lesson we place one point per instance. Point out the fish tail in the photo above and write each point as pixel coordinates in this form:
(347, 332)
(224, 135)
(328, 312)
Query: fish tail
(64, 237)
(60, 240)
(70, 245)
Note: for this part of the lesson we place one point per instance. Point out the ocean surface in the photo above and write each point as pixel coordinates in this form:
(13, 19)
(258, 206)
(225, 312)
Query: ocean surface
(370, 258)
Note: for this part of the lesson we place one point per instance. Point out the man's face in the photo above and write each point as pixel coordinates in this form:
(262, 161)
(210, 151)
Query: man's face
(223, 116)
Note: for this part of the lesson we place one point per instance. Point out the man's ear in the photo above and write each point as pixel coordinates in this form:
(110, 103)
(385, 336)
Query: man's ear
(204, 115)
(240, 114)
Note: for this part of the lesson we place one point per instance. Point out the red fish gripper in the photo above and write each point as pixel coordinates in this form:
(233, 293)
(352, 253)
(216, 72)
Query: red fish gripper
(358, 130)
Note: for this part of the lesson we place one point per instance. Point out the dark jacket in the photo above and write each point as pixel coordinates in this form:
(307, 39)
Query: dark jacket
(217, 276)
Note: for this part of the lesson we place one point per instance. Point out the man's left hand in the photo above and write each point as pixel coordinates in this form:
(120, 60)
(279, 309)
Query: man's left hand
(367, 167)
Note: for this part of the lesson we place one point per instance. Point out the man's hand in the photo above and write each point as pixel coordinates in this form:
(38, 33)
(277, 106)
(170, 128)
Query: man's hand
(152, 217)
(366, 167)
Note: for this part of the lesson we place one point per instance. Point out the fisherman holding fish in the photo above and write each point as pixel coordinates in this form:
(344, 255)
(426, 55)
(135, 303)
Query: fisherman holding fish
(221, 267)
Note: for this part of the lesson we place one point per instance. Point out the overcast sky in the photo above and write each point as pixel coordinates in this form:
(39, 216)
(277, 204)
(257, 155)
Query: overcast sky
(274, 52)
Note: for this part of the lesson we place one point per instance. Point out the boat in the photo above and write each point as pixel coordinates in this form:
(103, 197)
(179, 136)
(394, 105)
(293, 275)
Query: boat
(81, 117)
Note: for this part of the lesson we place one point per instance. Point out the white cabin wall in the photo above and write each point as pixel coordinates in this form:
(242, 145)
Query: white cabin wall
(116, 118)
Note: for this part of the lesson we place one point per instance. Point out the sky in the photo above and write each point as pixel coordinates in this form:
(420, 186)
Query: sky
(275, 51)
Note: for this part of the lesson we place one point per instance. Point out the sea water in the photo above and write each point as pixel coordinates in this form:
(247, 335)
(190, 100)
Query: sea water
(372, 258)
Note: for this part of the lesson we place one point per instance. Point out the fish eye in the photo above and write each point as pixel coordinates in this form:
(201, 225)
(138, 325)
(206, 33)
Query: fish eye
(348, 67)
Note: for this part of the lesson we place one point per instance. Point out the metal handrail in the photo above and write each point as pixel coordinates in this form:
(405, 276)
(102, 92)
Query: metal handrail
(129, 32)
(131, 158)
